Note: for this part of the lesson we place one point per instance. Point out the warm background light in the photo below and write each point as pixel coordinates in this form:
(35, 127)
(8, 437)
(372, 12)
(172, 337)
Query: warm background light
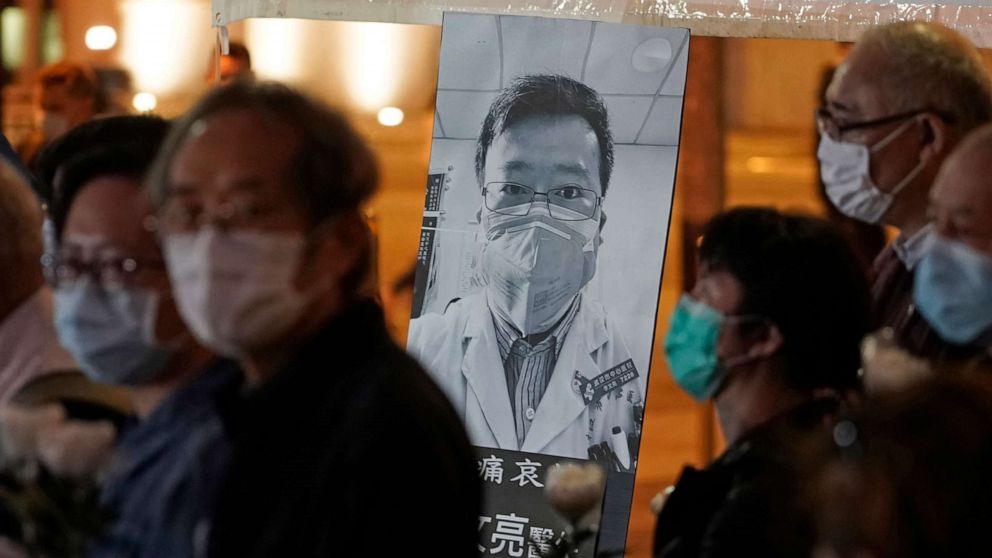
(278, 47)
(373, 59)
(101, 37)
(390, 116)
(144, 102)
(166, 45)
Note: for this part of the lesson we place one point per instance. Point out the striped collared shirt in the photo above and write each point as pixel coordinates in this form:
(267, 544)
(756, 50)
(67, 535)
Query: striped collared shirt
(528, 367)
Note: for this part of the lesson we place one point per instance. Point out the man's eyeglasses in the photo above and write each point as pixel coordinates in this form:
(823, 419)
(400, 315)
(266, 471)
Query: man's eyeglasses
(568, 202)
(177, 216)
(108, 272)
(827, 124)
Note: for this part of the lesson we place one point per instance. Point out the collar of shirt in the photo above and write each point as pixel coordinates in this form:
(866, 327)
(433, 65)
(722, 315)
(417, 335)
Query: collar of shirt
(912, 249)
(29, 346)
(507, 335)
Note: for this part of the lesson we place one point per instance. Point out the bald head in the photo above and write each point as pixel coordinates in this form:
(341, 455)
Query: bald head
(961, 198)
(20, 243)
(913, 65)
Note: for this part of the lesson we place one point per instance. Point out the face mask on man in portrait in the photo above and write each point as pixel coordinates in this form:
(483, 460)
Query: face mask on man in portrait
(535, 264)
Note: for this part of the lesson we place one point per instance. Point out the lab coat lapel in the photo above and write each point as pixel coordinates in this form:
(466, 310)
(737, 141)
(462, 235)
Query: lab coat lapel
(484, 374)
(561, 405)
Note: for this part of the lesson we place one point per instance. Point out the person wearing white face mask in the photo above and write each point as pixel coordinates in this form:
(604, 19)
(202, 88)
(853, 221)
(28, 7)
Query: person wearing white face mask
(260, 194)
(953, 287)
(115, 313)
(531, 362)
(896, 107)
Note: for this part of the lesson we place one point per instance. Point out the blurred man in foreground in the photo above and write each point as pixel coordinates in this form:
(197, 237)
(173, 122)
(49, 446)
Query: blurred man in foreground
(260, 193)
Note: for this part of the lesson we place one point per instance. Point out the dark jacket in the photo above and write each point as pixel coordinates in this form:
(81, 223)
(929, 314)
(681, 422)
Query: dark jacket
(748, 502)
(349, 450)
(166, 471)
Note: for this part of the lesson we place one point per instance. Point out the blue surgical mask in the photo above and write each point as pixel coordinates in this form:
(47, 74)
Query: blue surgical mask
(111, 332)
(953, 291)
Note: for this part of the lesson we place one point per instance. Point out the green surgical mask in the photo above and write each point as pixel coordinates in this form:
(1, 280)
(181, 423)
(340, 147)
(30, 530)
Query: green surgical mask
(690, 347)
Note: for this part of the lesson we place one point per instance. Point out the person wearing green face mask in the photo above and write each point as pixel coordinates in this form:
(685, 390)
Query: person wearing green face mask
(770, 333)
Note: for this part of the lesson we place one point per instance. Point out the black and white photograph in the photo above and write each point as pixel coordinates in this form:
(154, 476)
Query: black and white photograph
(551, 177)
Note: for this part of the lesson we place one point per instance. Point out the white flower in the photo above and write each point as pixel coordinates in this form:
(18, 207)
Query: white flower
(576, 492)
(75, 448)
(659, 500)
(887, 367)
(19, 428)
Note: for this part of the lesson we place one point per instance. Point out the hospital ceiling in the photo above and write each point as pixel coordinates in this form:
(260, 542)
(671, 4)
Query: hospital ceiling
(639, 71)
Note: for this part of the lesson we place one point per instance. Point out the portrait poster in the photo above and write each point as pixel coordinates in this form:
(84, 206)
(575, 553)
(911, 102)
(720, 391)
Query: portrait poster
(545, 223)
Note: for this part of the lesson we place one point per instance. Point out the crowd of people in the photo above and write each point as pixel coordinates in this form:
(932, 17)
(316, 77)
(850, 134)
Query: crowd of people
(855, 409)
(204, 287)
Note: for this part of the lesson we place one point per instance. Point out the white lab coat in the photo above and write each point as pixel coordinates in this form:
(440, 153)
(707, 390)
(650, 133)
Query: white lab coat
(459, 350)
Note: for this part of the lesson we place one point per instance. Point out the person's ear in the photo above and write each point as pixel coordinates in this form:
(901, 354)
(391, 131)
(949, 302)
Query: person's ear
(933, 135)
(768, 344)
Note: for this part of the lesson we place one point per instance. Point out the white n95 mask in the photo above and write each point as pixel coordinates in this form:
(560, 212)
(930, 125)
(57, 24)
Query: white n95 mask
(235, 288)
(845, 171)
(535, 265)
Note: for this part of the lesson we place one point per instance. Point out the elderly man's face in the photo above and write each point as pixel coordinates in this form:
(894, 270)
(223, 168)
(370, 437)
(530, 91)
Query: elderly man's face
(235, 171)
(961, 200)
(547, 153)
(854, 97)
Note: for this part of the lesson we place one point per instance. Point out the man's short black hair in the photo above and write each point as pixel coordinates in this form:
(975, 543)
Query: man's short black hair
(113, 146)
(127, 131)
(800, 274)
(334, 170)
(546, 95)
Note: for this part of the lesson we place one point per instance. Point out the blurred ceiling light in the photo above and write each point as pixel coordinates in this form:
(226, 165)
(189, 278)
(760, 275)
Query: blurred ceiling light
(390, 116)
(652, 55)
(13, 26)
(166, 45)
(144, 102)
(374, 52)
(101, 37)
(277, 47)
(760, 165)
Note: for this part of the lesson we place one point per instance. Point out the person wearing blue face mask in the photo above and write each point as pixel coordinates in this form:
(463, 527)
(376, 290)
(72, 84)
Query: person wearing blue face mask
(953, 287)
(114, 312)
(770, 334)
